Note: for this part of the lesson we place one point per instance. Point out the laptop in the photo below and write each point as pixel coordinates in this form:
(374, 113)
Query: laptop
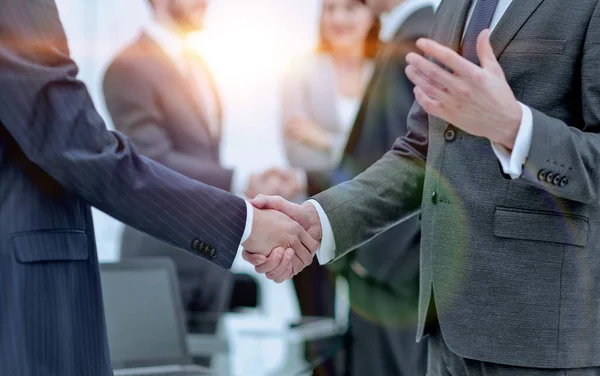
(144, 318)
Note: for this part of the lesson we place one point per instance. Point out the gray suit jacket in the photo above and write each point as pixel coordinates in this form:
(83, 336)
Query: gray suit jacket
(309, 91)
(513, 264)
(151, 102)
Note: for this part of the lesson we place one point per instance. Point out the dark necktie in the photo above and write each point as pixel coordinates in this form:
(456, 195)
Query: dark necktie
(480, 20)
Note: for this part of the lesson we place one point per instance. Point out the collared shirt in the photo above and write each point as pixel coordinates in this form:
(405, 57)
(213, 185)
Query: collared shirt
(172, 44)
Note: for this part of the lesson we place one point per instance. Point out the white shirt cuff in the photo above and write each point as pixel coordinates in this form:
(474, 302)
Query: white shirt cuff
(239, 183)
(512, 162)
(248, 228)
(326, 252)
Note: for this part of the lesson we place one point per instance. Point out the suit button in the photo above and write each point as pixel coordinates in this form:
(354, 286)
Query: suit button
(434, 198)
(564, 182)
(550, 177)
(557, 180)
(542, 175)
(195, 244)
(213, 253)
(450, 134)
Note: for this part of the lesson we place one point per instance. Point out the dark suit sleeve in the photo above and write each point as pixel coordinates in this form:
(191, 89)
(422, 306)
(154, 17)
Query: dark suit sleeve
(572, 151)
(130, 99)
(50, 115)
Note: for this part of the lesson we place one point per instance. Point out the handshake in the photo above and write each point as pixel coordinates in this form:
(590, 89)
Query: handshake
(284, 238)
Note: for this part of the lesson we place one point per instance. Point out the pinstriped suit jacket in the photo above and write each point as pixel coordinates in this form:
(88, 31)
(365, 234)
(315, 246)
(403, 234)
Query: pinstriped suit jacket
(56, 160)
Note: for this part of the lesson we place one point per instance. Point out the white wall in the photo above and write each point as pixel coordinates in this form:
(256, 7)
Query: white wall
(249, 43)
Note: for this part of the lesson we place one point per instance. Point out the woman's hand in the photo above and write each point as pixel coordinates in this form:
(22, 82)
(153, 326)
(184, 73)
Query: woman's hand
(307, 132)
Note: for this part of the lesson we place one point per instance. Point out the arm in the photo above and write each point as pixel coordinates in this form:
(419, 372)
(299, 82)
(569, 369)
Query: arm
(572, 151)
(384, 195)
(52, 118)
(350, 214)
(295, 114)
(130, 99)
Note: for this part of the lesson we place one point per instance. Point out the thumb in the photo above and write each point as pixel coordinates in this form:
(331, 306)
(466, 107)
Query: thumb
(260, 202)
(485, 52)
(253, 258)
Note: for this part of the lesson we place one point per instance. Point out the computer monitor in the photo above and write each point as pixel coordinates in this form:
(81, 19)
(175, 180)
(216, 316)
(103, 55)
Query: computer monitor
(143, 313)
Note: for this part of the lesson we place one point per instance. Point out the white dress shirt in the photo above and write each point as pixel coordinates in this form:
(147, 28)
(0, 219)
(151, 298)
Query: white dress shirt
(511, 161)
(347, 109)
(174, 46)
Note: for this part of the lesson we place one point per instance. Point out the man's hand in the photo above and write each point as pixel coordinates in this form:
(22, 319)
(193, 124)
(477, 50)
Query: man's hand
(278, 267)
(275, 181)
(305, 214)
(272, 230)
(476, 99)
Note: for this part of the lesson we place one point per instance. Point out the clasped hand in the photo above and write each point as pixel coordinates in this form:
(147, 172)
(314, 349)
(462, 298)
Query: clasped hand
(285, 237)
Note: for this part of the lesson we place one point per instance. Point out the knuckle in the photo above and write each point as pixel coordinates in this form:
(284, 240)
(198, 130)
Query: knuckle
(479, 76)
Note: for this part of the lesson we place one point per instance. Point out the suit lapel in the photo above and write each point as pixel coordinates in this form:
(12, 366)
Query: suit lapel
(201, 63)
(458, 24)
(168, 67)
(515, 17)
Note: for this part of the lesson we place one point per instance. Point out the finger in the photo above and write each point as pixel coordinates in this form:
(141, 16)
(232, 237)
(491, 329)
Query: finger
(485, 52)
(297, 265)
(289, 274)
(429, 87)
(282, 268)
(432, 71)
(309, 242)
(254, 258)
(265, 202)
(302, 252)
(272, 262)
(431, 106)
(275, 203)
(447, 57)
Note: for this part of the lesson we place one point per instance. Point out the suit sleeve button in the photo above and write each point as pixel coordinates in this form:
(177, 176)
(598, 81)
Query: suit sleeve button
(557, 180)
(564, 182)
(195, 244)
(542, 175)
(450, 134)
(550, 177)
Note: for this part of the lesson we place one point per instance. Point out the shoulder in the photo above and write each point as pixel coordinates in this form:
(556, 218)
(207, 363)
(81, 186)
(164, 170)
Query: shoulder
(128, 64)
